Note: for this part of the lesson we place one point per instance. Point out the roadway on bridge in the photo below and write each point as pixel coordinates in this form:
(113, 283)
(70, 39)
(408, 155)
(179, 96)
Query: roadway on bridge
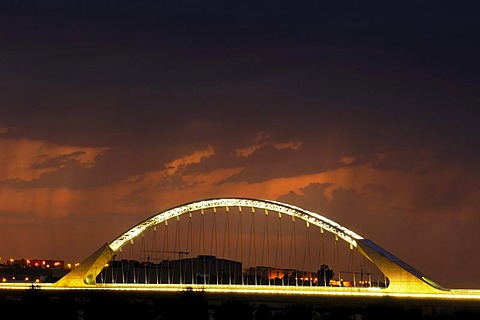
(454, 294)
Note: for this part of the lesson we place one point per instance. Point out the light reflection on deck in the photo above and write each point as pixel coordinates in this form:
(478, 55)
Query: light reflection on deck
(454, 294)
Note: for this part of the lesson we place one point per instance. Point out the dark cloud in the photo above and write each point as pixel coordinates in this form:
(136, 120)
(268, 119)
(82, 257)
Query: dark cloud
(58, 161)
(73, 176)
(448, 193)
(269, 163)
(113, 75)
(110, 167)
(313, 198)
(413, 161)
(142, 197)
(381, 193)
(346, 205)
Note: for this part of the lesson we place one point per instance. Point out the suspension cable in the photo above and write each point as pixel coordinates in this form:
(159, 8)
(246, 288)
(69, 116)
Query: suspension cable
(226, 247)
(239, 238)
(132, 259)
(121, 264)
(275, 264)
(353, 265)
(293, 252)
(322, 254)
(252, 245)
(280, 222)
(306, 251)
(265, 241)
(336, 256)
(190, 235)
(142, 259)
(214, 240)
(175, 250)
(154, 252)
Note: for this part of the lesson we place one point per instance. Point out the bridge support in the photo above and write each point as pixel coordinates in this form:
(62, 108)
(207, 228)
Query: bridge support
(86, 273)
(402, 277)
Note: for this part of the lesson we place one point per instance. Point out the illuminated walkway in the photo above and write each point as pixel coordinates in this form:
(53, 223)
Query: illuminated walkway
(277, 292)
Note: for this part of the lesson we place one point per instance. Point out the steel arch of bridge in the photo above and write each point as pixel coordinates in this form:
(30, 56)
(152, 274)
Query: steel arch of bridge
(402, 277)
(310, 217)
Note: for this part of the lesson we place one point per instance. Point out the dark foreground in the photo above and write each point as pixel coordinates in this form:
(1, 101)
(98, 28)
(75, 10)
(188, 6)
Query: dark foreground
(88, 305)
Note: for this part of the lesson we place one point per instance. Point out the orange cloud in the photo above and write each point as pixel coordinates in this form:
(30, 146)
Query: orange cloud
(262, 140)
(195, 157)
(153, 191)
(287, 145)
(347, 160)
(245, 152)
(20, 158)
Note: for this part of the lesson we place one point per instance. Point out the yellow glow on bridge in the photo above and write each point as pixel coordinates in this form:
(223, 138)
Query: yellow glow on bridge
(461, 294)
(404, 280)
(275, 206)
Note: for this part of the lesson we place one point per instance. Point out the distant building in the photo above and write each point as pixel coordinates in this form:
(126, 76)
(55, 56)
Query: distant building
(203, 269)
(279, 276)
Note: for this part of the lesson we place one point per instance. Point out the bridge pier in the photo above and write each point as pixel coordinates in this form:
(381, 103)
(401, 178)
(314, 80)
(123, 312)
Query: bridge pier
(402, 277)
(85, 274)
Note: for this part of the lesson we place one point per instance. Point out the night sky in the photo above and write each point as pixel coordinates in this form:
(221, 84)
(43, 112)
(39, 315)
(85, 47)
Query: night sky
(367, 112)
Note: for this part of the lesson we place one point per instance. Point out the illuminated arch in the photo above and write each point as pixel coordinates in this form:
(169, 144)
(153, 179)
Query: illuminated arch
(274, 206)
(402, 277)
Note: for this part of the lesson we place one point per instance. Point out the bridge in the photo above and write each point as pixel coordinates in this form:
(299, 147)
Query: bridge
(245, 245)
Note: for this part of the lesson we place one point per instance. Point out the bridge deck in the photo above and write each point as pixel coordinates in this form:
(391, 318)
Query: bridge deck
(455, 294)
